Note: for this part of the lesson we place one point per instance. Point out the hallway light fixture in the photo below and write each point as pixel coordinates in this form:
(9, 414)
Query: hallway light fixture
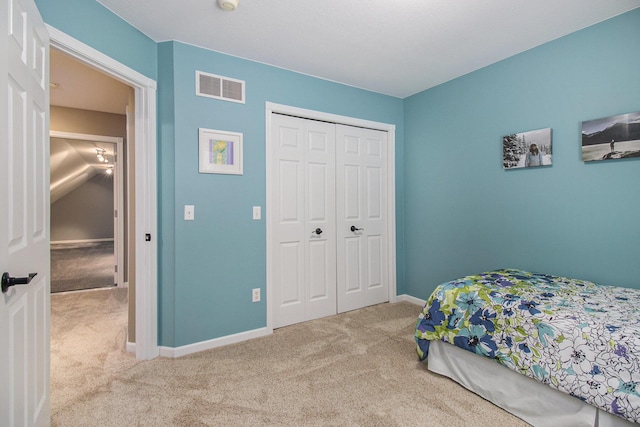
(102, 155)
(109, 170)
(228, 5)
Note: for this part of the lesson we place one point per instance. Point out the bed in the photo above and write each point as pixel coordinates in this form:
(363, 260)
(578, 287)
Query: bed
(572, 347)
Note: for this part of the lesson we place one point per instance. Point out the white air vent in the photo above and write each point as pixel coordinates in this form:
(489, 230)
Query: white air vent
(219, 87)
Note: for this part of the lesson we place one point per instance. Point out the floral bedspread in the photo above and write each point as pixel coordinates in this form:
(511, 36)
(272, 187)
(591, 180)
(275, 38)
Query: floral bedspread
(576, 336)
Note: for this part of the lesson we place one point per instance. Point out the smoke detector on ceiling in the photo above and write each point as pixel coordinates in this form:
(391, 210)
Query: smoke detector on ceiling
(228, 5)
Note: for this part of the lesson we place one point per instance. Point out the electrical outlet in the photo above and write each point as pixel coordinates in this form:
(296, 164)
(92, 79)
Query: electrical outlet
(189, 212)
(255, 295)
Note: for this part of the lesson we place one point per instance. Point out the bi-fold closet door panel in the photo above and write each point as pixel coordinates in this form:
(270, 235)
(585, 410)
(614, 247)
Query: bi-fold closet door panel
(304, 252)
(330, 193)
(362, 261)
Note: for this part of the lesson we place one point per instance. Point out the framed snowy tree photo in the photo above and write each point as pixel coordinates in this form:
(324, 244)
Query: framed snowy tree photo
(527, 149)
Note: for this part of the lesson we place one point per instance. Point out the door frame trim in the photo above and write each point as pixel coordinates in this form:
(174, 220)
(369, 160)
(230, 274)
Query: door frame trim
(146, 253)
(272, 108)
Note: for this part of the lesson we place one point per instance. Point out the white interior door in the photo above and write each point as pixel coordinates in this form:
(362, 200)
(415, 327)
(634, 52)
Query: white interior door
(304, 261)
(24, 219)
(362, 259)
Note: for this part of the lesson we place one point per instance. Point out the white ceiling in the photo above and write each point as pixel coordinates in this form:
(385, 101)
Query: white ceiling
(392, 47)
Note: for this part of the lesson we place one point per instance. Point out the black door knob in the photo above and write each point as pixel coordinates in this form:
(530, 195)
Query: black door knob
(354, 228)
(8, 281)
(318, 231)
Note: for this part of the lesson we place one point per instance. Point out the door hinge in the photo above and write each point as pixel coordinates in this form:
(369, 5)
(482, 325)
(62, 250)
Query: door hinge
(116, 268)
(115, 213)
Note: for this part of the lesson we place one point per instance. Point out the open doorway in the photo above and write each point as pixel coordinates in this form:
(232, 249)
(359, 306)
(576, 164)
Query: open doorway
(89, 126)
(88, 209)
(140, 153)
(89, 203)
(89, 113)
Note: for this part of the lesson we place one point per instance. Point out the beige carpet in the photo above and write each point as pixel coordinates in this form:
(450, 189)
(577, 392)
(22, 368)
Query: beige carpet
(355, 369)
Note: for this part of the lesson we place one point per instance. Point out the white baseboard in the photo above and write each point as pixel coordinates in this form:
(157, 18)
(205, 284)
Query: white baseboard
(68, 242)
(174, 352)
(409, 298)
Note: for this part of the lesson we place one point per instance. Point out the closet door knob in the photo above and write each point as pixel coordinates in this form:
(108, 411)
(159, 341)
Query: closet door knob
(354, 228)
(317, 231)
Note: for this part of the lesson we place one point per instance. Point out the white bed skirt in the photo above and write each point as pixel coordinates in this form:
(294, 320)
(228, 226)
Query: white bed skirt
(534, 402)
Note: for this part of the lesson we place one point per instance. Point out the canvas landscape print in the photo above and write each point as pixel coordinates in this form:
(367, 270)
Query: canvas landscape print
(527, 149)
(614, 137)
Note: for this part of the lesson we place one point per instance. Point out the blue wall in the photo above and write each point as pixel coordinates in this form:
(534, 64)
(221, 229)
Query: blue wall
(209, 266)
(96, 26)
(464, 214)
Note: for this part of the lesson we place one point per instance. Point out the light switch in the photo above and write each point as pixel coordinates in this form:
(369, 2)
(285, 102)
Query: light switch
(189, 212)
(257, 212)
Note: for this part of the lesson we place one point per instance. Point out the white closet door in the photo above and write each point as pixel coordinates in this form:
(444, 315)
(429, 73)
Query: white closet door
(304, 264)
(362, 259)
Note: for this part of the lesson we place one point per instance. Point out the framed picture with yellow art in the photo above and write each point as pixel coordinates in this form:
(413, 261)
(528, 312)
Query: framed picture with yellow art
(220, 152)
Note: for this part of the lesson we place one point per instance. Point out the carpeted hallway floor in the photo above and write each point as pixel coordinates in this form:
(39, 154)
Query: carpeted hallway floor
(81, 266)
(355, 369)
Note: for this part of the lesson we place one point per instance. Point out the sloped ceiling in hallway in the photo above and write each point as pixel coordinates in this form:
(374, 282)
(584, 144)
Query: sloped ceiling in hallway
(74, 162)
